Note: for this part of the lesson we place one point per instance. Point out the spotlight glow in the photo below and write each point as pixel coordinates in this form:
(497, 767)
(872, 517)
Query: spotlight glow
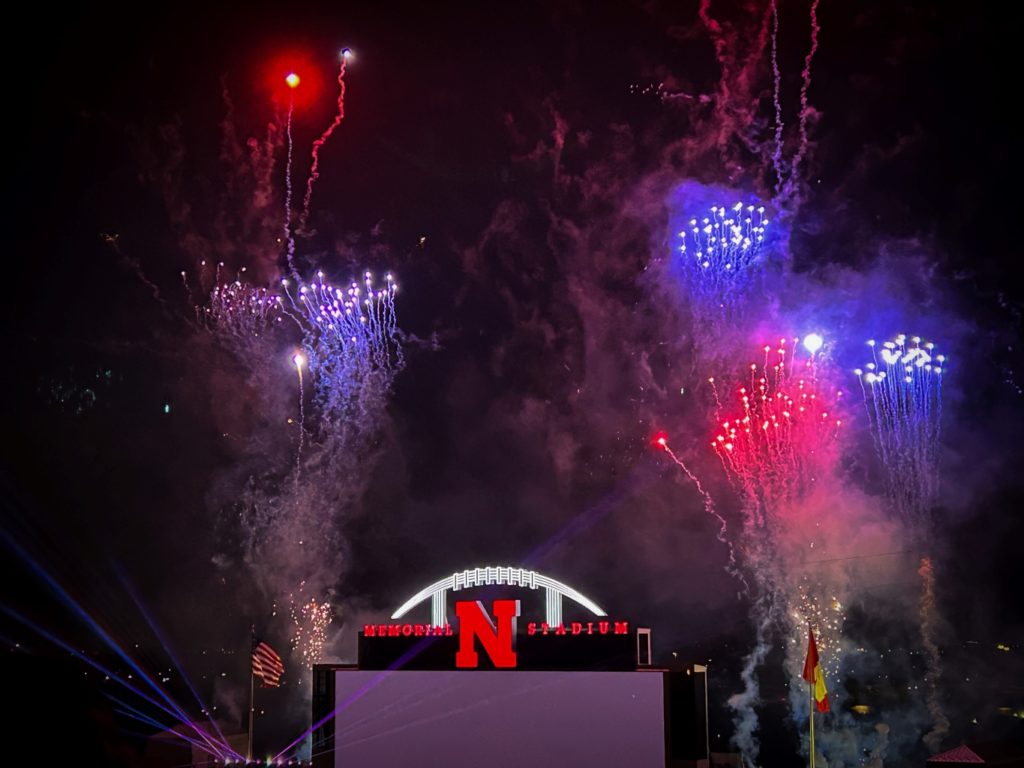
(292, 80)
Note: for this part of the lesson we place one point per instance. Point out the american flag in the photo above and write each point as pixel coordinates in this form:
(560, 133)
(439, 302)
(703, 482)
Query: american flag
(267, 665)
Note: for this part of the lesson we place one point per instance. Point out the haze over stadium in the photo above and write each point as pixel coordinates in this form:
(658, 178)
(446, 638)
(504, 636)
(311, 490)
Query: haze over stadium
(702, 308)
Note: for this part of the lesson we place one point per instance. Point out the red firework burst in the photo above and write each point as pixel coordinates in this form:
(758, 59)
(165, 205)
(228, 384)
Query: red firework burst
(777, 444)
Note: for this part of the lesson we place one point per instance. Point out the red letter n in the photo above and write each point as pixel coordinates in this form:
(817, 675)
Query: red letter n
(498, 642)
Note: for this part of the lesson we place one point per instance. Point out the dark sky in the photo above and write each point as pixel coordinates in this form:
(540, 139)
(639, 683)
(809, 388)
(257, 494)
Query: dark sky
(530, 148)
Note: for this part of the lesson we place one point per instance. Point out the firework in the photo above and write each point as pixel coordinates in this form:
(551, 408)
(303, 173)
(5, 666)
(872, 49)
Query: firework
(825, 614)
(240, 313)
(310, 619)
(350, 335)
(775, 447)
(717, 252)
(902, 388)
(347, 332)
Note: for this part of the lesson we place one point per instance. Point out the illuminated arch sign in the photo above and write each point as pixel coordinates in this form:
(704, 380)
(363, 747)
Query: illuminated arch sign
(480, 577)
(491, 636)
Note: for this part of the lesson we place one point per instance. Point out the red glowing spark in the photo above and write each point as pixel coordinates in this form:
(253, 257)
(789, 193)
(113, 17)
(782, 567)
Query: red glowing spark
(660, 440)
(293, 78)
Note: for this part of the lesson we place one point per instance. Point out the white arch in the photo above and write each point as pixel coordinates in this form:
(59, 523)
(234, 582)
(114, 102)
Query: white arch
(478, 577)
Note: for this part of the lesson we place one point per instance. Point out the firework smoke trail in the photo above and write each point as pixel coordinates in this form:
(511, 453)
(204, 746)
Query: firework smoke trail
(240, 217)
(805, 108)
(805, 86)
(776, 98)
(743, 703)
(350, 354)
(721, 47)
(732, 130)
(289, 237)
(928, 616)
(709, 506)
(877, 756)
(314, 172)
(300, 360)
(738, 65)
(774, 451)
(132, 264)
(350, 336)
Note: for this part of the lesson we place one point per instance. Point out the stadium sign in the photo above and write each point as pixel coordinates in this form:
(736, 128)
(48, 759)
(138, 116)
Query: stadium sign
(547, 644)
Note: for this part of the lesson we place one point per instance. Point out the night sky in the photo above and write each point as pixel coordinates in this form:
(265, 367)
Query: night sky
(521, 171)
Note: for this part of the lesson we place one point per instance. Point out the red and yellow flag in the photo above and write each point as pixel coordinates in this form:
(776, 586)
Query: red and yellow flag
(813, 673)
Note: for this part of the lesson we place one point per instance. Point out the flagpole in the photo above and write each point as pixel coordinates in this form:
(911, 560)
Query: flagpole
(252, 691)
(252, 694)
(810, 714)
